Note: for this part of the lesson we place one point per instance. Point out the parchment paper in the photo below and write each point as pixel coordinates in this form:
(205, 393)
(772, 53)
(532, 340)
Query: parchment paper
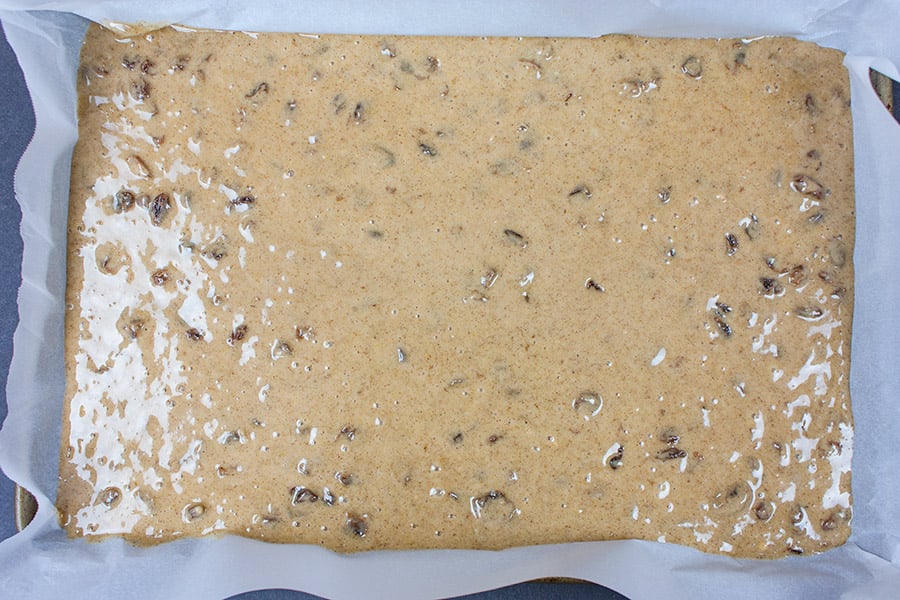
(41, 562)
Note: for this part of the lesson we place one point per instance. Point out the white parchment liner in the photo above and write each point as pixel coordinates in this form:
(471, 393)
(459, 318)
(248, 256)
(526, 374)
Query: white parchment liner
(41, 563)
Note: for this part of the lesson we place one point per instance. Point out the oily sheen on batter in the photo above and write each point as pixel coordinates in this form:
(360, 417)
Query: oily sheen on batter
(395, 292)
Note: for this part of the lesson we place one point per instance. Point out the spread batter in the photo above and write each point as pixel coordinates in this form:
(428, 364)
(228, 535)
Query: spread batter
(395, 292)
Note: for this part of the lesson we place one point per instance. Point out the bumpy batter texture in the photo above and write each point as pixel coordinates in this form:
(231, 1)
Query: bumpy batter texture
(394, 292)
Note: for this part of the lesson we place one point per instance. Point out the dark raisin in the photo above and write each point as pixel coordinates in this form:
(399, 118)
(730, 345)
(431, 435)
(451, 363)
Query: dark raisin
(671, 453)
(338, 103)
(457, 438)
(357, 525)
(494, 438)
(140, 89)
(615, 461)
(193, 334)
(348, 431)
(302, 493)
(797, 275)
(719, 320)
(692, 67)
(358, 113)
(723, 307)
(812, 107)
(427, 150)
(344, 477)
(581, 189)
(216, 250)
(770, 286)
(159, 277)
(732, 242)
(237, 334)
(246, 200)
(133, 328)
(763, 511)
(669, 436)
(432, 64)
(129, 63)
(260, 88)
(829, 524)
(806, 185)
(304, 333)
(593, 285)
(123, 201)
(158, 208)
(147, 66)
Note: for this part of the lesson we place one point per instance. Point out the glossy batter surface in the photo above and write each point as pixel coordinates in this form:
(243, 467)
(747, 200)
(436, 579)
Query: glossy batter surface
(390, 292)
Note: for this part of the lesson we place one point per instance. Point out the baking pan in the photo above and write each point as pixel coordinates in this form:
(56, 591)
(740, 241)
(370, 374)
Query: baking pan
(25, 505)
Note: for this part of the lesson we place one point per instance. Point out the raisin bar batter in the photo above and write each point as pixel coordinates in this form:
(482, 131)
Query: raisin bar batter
(399, 292)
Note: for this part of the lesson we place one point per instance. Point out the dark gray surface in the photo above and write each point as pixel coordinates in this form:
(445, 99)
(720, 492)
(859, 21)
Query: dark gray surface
(16, 128)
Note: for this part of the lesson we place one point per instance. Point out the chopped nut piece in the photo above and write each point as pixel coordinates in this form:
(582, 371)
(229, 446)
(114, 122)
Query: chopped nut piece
(137, 166)
(193, 512)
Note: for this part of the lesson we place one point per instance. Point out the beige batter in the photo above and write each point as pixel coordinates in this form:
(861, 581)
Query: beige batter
(390, 292)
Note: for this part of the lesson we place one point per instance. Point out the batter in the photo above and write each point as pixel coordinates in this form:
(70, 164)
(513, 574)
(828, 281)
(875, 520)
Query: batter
(396, 292)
